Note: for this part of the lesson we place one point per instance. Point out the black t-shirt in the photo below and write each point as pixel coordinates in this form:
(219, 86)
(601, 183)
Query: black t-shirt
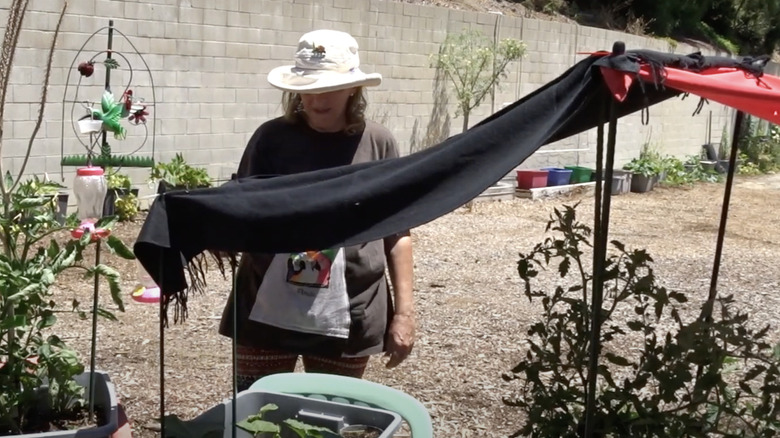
(281, 147)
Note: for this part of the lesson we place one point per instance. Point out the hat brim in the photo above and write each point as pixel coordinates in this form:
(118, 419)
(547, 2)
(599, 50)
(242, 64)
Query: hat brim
(289, 78)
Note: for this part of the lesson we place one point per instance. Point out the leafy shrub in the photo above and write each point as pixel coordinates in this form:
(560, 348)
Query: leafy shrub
(31, 259)
(116, 180)
(179, 174)
(649, 163)
(763, 150)
(126, 207)
(699, 377)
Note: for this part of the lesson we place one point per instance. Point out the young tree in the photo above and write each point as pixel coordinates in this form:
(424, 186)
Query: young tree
(475, 64)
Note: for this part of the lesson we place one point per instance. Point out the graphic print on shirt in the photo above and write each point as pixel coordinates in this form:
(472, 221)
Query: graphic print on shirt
(310, 268)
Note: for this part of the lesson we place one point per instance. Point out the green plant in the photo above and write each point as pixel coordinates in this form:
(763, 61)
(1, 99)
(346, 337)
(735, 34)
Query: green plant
(126, 207)
(30, 262)
(259, 426)
(116, 180)
(748, 167)
(474, 64)
(179, 174)
(680, 380)
(761, 149)
(649, 163)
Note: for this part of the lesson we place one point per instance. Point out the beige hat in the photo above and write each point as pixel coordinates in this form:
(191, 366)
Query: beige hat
(326, 60)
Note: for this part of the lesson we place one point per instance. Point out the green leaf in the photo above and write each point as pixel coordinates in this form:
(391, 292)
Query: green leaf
(14, 321)
(104, 313)
(48, 319)
(53, 250)
(268, 407)
(114, 286)
(85, 239)
(256, 426)
(106, 223)
(118, 247)
(111, 63)
(306, 430)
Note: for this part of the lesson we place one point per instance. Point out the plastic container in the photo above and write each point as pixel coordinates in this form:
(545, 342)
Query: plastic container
(557, 176)
(335, 414)
(106, 403)
(580, 174)
(621, 181)
(531, 179)
(90, 189)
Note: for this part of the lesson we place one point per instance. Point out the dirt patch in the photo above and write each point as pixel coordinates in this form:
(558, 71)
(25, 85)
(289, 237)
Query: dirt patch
(472, 314)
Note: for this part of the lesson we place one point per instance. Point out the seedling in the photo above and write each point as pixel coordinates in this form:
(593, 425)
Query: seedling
(258, 426)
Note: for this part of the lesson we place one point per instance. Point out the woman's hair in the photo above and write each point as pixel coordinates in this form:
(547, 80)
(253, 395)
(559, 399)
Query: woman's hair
(356, 109)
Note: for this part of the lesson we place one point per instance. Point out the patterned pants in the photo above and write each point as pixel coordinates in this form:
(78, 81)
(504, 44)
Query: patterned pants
(254, 363)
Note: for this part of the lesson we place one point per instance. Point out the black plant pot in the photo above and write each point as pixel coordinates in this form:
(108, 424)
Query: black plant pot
(62, 208)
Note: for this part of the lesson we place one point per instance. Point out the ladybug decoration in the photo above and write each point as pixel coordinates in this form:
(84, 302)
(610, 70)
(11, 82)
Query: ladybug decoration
(319, 50)
(86, 68)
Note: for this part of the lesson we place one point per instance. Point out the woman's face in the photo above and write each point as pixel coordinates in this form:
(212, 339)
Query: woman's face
(327, 112)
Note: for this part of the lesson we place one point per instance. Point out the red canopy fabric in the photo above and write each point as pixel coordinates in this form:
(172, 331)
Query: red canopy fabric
(758, 96)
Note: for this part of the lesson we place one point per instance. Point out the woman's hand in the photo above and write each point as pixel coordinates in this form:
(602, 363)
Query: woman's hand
(401, 336)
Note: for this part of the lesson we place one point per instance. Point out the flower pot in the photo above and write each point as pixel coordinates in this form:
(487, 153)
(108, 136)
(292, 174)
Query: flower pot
(641, 183)
(580, 174)
(624, 178)
(531, 179)
(708, 165)
(90, 126)
(334, 415)
(723, 166)
(106, 406)
(557, 176)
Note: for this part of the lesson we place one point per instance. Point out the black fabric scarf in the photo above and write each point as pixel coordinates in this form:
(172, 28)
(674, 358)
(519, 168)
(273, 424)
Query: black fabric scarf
(358, 203)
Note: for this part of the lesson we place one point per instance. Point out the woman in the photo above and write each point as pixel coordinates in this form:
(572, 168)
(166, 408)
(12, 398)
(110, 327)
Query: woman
(331, 306)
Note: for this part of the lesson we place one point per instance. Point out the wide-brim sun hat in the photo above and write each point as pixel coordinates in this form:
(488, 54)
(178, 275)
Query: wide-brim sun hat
(326, 60)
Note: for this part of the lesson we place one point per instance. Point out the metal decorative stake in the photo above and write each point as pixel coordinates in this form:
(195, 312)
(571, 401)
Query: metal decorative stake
(90, 188)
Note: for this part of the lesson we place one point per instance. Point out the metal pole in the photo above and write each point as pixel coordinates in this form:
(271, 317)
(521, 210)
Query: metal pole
(724, 215)
(162, 344)
(94, 333)
(600, 255)
(235, 352)
(109, 49)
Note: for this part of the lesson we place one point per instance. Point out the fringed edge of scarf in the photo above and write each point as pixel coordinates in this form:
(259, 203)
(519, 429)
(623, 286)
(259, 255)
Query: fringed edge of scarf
(196, 269)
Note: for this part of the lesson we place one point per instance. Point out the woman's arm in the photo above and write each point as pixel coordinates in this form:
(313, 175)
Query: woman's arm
(401, 334)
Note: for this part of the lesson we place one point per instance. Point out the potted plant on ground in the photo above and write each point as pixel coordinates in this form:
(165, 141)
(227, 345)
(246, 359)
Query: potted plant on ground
(119, 186)
(42, 379)
(644, 171)
(177, 174)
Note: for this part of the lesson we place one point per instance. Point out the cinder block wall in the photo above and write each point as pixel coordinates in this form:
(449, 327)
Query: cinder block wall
(201, 66)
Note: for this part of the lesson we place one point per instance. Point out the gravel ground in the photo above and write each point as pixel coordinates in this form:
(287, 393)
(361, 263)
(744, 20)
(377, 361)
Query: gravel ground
(472, 315)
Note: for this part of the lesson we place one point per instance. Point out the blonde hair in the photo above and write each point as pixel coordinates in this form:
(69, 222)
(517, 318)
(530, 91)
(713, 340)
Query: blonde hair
(356, 110)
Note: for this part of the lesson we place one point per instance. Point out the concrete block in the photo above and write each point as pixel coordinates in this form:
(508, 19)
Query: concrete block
(236, 50)
(215, 18)
(332, 14)
(193, 15)
(238, 19)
